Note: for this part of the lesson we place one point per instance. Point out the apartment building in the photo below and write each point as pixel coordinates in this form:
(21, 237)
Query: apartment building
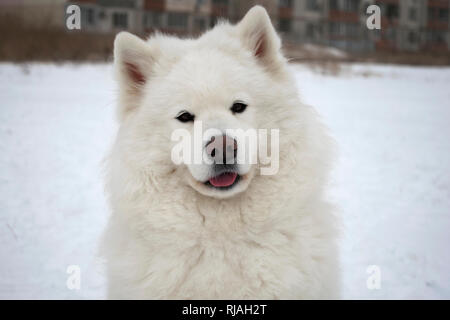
(175, 16)
(145, 16)
(412, 25)
(307, 20)
(406, 25)
(437, 35)
(402, 25)
(345, 22)
(110, 15)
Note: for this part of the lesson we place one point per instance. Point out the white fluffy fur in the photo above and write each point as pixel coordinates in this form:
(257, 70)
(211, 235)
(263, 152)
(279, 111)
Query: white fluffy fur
(167, 238)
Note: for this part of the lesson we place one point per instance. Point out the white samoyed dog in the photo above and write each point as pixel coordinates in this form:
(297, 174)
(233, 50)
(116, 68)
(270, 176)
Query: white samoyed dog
(215, 229)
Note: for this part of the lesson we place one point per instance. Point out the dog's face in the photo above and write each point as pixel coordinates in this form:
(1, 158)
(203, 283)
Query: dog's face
(207, 89)
(212, 100)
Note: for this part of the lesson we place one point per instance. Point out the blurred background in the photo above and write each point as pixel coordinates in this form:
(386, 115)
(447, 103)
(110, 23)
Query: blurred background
(384, 95)
(412, 31)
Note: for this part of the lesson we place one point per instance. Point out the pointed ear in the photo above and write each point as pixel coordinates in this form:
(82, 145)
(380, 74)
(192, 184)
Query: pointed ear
(258, 35)
(133, 61)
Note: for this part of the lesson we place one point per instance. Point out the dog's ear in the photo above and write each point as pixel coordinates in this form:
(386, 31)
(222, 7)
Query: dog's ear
(133, 61)
(258, 35)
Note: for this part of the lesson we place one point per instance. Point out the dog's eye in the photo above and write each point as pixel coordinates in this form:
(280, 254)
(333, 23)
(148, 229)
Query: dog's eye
(238, 107)
(185, 116)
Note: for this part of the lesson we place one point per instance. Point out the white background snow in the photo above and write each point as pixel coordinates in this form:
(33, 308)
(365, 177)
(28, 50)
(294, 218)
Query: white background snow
(391, 182)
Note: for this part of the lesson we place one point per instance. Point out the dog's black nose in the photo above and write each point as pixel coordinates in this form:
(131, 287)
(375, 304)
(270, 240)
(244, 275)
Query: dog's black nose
(222, 149)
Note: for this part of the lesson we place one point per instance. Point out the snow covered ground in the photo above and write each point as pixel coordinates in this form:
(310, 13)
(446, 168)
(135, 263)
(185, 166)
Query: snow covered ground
(392, 179)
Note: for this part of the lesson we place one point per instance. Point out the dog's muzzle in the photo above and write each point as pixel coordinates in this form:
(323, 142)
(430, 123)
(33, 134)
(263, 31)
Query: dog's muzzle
(223, 151)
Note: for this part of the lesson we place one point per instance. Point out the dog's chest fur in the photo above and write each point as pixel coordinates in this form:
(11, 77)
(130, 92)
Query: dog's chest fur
(219, 251)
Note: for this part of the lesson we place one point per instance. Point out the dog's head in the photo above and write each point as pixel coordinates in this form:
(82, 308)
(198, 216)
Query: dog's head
(230, 78)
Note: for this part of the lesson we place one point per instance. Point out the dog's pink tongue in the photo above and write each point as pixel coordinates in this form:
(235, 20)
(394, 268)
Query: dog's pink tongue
(223, 180)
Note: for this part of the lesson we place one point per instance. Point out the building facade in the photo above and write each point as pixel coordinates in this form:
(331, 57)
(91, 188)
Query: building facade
(144, 16)
(406, 25)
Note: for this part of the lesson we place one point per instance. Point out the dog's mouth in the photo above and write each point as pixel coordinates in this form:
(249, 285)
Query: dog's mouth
(223, 181)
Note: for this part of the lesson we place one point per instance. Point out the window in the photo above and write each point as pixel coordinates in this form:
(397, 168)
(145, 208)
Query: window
(412, 37)
(436, 37)
(392, 11)
(177, 20)
(335, 28)
(120, 20)
(412, 14)
(443, 14)
(334, 5)
(200, 23)
(312, 5)
(284, 25)
(391, 34)
(430, 13)
(90, 16)
(313, 31)
(309, 31)
(352, 30)
(213, 21)
(285, 3)
(152, 20)
(351, 5)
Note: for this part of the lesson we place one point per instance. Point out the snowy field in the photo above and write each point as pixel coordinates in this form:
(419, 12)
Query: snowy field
(392, 180)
